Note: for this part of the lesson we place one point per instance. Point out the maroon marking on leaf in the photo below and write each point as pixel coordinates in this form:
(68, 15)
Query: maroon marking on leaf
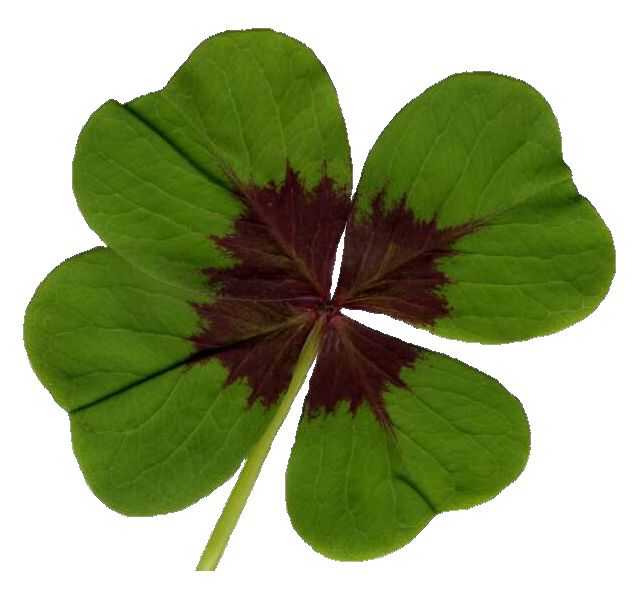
(285, 245)
(265, 305)
(228, 321)
(284, 248)
(390, 263)
(259, 341)
(356, 364)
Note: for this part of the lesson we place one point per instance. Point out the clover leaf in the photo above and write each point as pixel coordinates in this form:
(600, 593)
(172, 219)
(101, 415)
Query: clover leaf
(178, 349)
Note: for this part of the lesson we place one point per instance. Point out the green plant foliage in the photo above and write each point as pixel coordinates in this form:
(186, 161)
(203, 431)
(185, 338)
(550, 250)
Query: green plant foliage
(357, 491)
(111, 344)
(222, 198)
(484, 148)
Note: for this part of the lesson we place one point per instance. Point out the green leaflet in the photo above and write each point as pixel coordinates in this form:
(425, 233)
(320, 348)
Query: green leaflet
(365, 477)
(156, 177)
(482, 151)
(147, 201)
(111, 345)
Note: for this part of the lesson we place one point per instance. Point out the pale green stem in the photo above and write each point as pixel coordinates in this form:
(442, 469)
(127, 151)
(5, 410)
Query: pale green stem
(253, 464)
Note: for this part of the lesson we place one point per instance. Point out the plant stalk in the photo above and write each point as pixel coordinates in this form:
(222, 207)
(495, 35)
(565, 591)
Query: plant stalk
(244, 485)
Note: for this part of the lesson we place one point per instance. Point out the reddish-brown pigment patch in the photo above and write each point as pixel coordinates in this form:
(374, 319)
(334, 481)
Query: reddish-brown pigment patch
(389, 264)
(285, 245)
(356, 364)
(284, 248)
(259, 341)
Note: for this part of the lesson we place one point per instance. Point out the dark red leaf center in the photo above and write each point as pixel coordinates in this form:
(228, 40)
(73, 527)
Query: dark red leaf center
(284, 250)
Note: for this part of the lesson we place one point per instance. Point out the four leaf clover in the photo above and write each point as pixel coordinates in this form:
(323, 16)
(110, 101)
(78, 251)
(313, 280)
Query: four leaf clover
(178, 349)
